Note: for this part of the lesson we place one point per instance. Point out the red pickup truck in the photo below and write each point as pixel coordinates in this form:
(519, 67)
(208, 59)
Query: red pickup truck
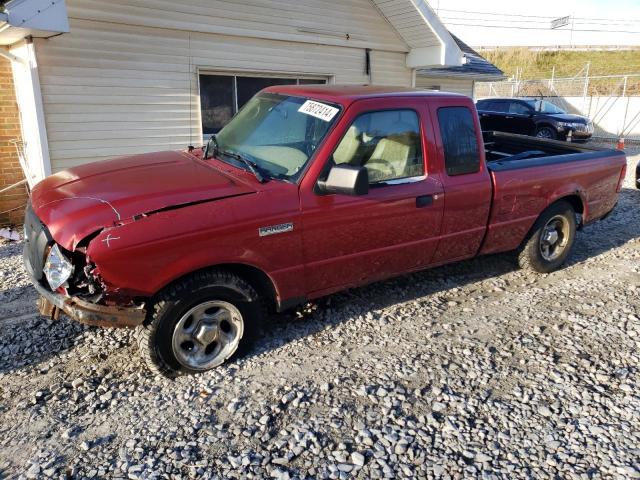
(307, 191)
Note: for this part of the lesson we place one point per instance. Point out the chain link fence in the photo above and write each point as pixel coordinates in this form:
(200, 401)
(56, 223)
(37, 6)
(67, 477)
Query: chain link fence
(612, 102)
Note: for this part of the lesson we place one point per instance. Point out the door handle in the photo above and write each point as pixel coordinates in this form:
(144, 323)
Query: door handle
(508, 116)
(424, 201)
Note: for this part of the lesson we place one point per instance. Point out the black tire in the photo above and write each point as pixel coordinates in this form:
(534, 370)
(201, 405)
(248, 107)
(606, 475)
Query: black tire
(156, 336)
(546, 131)
(535, 254)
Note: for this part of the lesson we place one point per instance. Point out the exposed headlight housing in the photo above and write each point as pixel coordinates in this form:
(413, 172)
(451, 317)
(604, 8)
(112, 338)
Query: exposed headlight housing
(566, 125)
(57, 269)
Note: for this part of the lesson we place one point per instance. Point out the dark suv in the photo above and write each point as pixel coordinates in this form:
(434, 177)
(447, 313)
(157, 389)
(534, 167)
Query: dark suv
(535, 117)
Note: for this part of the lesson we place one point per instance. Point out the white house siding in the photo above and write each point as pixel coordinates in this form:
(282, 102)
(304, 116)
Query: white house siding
(110, 88)
(313, 21)
(455, 85)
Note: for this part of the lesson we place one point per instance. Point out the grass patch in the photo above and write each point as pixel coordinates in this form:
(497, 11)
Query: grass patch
(540, 64)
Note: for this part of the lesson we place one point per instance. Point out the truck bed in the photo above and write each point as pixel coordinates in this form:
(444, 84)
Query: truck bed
(507, 151)
(529, 173)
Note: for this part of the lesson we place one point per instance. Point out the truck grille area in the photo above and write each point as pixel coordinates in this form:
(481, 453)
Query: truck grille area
(37, 237)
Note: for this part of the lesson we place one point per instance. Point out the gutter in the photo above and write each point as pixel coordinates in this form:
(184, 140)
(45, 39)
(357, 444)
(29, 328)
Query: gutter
(4, 25)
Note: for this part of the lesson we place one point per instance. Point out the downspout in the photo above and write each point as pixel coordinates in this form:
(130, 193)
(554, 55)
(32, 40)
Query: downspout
(368, 70)
(35, 152)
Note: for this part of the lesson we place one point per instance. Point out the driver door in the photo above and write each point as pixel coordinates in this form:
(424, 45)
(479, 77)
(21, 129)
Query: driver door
(352, 240)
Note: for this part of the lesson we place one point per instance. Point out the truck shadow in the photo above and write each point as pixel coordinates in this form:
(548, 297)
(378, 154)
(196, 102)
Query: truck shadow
(26, 339)
(333, 310)
(614, 231)
(30, 339)
(594, 240)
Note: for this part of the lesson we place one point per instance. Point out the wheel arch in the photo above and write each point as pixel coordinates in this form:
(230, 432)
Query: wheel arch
(576, 202)
(264, 285)
(258, 279)
(542, 124)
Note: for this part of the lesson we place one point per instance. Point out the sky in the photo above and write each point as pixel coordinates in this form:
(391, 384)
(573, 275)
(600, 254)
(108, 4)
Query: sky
(527, 23)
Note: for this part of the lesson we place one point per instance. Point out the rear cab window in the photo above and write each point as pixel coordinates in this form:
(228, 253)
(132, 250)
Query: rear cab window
(459, 140)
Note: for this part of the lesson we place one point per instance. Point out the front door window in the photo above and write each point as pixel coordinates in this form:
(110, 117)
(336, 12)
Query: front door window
(387, 143)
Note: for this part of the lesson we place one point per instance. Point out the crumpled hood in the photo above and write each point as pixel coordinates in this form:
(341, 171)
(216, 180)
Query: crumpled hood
(77, 202)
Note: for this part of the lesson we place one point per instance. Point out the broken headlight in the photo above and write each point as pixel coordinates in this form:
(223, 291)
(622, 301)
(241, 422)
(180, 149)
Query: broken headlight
(57, 269)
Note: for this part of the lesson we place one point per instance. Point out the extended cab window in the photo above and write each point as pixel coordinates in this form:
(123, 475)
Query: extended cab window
(387, 143)
(459, 140)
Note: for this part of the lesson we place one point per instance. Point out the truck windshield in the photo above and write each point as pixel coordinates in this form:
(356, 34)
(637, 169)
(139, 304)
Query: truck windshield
(277, 133)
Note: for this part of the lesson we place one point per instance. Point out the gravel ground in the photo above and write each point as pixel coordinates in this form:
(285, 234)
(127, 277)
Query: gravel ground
(470, 370)
(632, 147)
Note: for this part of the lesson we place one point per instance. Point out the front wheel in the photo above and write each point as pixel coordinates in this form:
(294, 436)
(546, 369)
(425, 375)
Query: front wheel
(199, 323)
(546, 132)
(551, 239)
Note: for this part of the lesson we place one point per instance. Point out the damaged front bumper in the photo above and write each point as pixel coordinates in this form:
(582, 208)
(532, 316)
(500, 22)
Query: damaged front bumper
(50, 304)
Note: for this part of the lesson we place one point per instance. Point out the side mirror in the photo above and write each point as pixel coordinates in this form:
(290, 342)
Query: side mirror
(345, 179)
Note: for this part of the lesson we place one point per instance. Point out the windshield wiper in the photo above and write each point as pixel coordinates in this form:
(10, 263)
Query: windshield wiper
(251, 166)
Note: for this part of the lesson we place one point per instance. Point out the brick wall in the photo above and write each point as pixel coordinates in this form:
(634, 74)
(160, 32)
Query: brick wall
(10, 171)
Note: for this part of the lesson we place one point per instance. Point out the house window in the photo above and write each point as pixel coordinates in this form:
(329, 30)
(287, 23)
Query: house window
(221, 96)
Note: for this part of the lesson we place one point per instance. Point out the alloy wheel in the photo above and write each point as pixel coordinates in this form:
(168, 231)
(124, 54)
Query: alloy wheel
(554, 238)
(207, 335)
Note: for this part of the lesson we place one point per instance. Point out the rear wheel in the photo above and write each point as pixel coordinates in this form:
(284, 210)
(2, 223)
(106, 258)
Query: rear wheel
(199, 323)
(551, 239)
(546, 132)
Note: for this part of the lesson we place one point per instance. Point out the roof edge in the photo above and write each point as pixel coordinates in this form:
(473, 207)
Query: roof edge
(450, 52)
(38, 18)
(488, 77)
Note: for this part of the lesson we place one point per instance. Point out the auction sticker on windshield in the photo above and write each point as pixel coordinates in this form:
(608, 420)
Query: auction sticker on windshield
(318, 110)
